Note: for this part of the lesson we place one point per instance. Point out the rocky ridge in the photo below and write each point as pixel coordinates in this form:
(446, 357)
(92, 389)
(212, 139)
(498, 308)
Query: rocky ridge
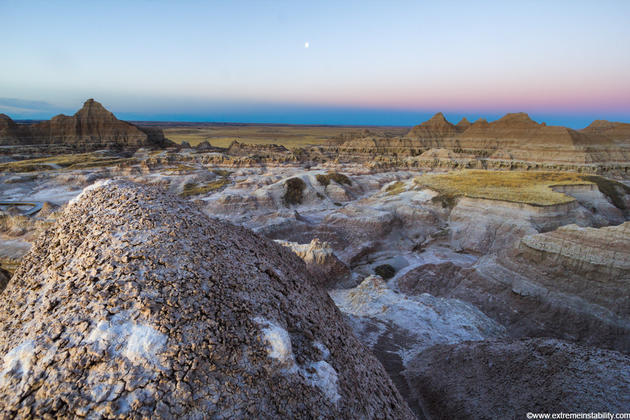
(90, 128)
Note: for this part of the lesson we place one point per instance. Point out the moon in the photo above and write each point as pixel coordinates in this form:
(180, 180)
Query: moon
(306, 45)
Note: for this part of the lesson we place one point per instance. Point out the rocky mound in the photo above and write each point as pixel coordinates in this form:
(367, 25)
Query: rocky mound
(90, 128)
(136, 304)
(499, 379)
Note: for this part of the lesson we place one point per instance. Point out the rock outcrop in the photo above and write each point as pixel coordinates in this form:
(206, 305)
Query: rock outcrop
(9, 131)
(508, 379)
(571, 283)
(92, 127)
(436, 127)
(136, 304)
(320, 261)
(611, 130)
(4, 278)
(397, 327)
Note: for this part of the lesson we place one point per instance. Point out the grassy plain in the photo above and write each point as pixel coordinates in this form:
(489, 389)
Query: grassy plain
(289, 136)
(521, 187)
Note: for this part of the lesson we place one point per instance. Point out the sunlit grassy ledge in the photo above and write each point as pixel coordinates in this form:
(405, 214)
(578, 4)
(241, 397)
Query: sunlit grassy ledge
(534, 188)
(70, 161)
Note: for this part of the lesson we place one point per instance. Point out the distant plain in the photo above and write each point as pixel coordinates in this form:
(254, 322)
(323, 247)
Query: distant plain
(222, 135)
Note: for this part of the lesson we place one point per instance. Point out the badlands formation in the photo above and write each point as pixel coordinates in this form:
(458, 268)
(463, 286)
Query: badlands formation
(345, 280)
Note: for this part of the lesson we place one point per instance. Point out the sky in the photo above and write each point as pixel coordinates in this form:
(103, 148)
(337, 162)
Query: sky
(318, 62)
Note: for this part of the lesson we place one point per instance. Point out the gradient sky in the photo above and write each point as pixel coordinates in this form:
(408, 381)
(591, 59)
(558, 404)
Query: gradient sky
(368, 62)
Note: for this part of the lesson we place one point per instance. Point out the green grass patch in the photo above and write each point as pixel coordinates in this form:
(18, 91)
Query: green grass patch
(521, 187)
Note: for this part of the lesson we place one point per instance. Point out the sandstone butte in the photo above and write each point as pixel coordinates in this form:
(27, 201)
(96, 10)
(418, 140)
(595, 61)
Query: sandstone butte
(136, 304)
(91, 127)
(516, 137)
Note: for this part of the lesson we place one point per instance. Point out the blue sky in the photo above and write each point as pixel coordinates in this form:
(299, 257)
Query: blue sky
(368, 62)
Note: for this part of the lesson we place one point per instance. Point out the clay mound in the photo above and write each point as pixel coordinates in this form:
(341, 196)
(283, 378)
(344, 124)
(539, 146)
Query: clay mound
(136, 304)
(436, 127)
(498, 379)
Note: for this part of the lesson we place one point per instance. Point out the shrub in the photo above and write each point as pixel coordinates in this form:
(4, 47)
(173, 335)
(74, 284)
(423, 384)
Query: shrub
(334, 176)
(323, 179)
(294, 189)
(386, 271)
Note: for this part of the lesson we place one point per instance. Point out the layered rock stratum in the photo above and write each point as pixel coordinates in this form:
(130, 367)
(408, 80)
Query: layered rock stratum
(90, 128)
(136, 304)
(514, 141)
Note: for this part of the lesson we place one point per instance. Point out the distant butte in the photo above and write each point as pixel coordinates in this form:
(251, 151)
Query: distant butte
(90, 128)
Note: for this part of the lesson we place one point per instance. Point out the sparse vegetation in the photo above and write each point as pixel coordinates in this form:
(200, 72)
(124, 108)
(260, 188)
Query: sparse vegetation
(396, 188)
(522, 187)
(324, 179)
(294, 189)
(222, 172)
(192, 188)
(72, 161)
(386, 271)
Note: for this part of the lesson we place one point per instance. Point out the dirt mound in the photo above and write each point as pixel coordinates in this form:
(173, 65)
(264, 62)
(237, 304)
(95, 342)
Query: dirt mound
(499, 379)
(136, 304)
